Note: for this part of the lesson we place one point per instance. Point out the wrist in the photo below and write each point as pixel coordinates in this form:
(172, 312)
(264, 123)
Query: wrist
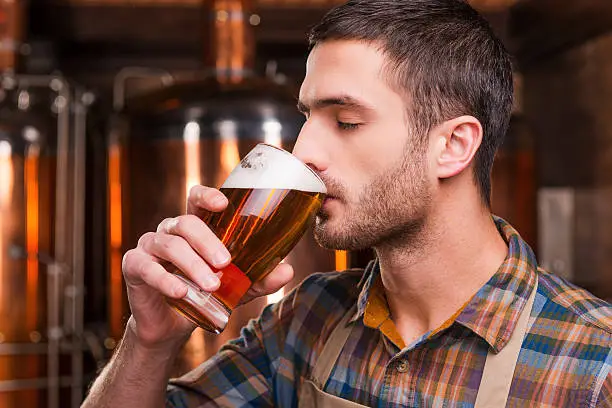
(160, 350)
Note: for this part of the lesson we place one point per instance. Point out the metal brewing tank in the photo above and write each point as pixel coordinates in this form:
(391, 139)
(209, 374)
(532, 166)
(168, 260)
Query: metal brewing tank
(189, 133)
(41, 235)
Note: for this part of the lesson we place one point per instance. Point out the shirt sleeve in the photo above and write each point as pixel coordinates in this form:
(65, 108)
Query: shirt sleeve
(262, 367)
(241, 373)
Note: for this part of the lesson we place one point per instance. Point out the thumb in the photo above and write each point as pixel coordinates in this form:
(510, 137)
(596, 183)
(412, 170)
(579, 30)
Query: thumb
(279, 277)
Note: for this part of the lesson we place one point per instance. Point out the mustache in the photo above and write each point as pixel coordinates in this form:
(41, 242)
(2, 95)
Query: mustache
(335, 188)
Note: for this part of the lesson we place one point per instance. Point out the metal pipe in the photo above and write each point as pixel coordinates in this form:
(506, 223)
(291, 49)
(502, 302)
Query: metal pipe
(232, 39)
(76, 290)
(119, 83)
(61, 214)
(31, 384)
(65, 256)
(11, 349)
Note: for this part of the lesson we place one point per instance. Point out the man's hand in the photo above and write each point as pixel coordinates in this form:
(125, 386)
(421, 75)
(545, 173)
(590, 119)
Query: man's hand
(185, 243)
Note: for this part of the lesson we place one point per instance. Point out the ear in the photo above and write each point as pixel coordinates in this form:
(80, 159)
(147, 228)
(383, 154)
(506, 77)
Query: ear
(456, 143)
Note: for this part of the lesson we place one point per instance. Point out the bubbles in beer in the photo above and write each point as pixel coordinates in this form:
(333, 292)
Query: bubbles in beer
(259, 170)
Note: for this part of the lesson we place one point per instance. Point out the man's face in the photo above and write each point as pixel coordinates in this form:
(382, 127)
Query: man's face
(358, 139)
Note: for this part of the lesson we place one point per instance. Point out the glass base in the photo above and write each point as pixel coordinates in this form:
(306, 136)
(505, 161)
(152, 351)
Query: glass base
(202, 308)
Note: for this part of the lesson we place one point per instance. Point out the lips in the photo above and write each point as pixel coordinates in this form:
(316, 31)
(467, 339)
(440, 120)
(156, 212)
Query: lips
(328, 200)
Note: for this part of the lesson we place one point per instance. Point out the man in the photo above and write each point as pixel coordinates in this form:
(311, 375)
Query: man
(406, 103)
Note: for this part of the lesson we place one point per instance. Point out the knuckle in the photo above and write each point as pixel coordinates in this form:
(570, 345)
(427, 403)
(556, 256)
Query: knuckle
(190, 227)
(183, 225)
(195, 190)
(162, 225)
(145, 239)
(166, 243)
(160, 241)
(132, 263)
(127, 261)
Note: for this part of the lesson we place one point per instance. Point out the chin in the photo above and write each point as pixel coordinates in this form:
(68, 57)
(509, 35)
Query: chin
(324, 234)
(334, 237)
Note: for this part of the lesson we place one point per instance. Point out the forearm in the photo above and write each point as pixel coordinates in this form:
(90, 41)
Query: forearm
(136, 376)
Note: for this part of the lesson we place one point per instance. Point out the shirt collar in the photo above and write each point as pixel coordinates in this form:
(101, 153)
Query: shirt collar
(492, 312)
(371, 272)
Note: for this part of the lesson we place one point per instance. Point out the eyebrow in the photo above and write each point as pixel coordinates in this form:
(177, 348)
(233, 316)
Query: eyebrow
(342, 100)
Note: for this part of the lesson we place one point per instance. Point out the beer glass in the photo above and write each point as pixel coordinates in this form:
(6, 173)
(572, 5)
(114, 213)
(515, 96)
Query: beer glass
(273, 198)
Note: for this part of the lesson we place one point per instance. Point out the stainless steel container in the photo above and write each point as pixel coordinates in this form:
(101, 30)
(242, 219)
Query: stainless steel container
(42, 151)
(194, 133)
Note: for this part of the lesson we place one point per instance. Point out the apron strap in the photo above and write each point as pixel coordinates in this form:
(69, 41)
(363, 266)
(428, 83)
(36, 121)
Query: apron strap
(331, 351)
(499, 368)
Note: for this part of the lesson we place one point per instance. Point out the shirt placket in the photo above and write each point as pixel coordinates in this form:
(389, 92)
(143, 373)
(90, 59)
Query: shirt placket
(398, 385)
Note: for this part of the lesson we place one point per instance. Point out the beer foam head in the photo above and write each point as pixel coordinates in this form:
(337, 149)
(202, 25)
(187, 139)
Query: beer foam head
(269, 167)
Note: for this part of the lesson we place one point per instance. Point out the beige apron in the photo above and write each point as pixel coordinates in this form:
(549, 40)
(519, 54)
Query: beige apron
(494, 386)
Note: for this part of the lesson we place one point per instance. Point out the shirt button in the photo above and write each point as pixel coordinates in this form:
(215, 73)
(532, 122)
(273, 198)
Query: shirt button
(402, 366)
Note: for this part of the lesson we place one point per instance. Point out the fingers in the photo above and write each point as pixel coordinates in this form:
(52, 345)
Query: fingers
(203, 199)
(275, 280)
(188, 243)
(139, 267)
(178, 252)
(199, 237)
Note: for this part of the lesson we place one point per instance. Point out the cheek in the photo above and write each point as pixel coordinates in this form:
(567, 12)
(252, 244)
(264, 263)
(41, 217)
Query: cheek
(368, 183)
(387, 143)
(377, 150)
(362, 157)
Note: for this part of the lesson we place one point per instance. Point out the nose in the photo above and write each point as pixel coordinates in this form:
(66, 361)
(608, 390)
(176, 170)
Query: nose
(310, 148)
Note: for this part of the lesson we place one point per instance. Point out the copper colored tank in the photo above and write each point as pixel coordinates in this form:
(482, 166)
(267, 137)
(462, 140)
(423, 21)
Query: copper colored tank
(40, 221)
(195, 132)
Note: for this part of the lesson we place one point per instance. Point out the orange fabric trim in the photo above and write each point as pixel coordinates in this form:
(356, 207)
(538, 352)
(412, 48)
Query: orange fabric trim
(378, 316)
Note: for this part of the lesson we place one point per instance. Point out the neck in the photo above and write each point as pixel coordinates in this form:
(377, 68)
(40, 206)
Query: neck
(429, 279)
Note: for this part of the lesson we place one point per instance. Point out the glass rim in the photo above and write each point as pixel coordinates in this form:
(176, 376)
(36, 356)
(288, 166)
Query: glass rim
(295, 158)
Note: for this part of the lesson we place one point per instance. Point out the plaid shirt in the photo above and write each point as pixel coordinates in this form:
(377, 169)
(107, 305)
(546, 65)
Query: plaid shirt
(565, 359)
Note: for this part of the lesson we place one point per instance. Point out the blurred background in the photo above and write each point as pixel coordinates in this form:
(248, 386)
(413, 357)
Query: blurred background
(111, 109)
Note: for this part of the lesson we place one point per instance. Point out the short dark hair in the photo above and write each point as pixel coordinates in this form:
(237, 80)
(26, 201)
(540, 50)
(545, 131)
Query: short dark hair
(444, 57)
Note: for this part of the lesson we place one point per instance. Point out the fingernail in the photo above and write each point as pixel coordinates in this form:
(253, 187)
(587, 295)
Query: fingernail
(221, 257)
(211, 281)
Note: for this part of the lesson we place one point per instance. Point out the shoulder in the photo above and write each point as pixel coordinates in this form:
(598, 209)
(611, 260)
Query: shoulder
(290, 329)
(570, 303)
(330, 288)
(568, 344)
(573, 328)
(319, 297)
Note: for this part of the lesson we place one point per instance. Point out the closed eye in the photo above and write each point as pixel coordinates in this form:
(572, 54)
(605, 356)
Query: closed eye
(347, 126)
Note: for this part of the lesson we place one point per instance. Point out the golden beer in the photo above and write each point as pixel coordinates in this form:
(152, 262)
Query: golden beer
(273, 198)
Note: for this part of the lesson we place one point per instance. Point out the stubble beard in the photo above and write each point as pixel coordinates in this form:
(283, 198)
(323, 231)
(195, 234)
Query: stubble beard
(391, 211)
